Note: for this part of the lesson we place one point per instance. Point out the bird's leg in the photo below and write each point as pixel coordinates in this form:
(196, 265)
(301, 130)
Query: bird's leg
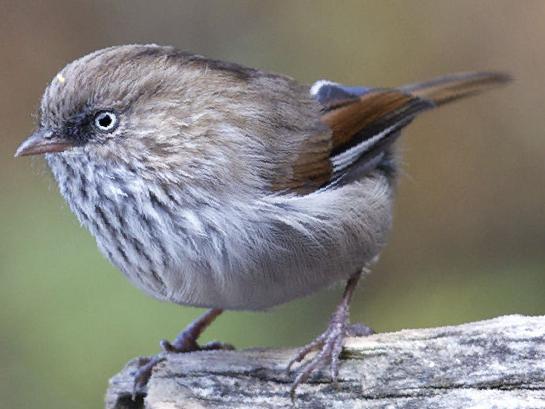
(329, 344)
(185, 341)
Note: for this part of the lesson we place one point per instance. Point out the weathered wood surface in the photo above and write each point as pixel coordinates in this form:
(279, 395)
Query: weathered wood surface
(499, 363)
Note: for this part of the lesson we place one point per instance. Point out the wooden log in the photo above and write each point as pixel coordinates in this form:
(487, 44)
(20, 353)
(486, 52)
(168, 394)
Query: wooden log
(498, 363)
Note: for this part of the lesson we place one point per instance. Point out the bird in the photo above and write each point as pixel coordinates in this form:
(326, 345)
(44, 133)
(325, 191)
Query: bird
(211, 184)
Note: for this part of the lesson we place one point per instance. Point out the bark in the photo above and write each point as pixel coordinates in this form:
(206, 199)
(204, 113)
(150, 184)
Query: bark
(498, 363)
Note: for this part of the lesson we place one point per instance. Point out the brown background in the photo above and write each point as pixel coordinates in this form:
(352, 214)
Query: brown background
(469, 229)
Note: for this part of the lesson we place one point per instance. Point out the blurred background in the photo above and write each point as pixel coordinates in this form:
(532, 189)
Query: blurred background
(469, 233)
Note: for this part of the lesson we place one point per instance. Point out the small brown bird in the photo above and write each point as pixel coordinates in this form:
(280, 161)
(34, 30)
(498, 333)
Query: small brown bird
(216, 185)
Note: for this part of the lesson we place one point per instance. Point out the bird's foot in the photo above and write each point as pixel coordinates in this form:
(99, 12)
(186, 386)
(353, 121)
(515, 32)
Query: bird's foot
(187, 344)
(186, 341)
(329, 346)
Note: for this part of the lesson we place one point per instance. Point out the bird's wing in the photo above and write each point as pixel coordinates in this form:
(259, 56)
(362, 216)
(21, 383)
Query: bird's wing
(365, 121)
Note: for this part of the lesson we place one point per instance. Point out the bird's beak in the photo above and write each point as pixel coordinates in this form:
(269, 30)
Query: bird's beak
(43, 141)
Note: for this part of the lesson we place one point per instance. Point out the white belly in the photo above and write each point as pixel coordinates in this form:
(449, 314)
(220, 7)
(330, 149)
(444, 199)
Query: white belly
(241, 253)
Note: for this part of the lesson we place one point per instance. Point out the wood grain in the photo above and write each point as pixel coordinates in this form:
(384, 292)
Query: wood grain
(499, 363)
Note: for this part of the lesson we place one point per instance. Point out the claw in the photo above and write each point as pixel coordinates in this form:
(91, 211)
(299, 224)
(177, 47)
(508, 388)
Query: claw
(186, 341)
(316, 362)
(335, 357)
(143, 373)
(318, 342)
(166, 346)
(329, 343)
(215, 345)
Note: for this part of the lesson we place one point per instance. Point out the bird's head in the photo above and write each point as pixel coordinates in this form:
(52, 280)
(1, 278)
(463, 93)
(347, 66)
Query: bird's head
(96, 102)
(140, 104)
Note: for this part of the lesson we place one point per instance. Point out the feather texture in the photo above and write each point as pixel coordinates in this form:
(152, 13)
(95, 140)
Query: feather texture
(364, 122)
(225, 186)
(448, 88)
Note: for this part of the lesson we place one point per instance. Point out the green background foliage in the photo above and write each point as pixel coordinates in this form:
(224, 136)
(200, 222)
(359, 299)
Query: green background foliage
(469, 234)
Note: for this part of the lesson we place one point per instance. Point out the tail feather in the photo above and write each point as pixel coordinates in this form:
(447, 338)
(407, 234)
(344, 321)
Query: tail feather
(364, 122)
(452, 87)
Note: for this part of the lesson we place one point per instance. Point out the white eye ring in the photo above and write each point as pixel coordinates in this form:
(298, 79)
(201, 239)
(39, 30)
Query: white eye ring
(106, 121)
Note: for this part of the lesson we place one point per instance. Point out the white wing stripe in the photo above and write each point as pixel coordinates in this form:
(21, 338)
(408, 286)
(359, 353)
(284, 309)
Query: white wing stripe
(348, 157)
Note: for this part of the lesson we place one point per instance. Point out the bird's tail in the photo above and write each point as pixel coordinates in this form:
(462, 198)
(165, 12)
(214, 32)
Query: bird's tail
(455, 86)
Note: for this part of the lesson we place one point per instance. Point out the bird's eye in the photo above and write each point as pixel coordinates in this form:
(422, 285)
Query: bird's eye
(106, 121)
